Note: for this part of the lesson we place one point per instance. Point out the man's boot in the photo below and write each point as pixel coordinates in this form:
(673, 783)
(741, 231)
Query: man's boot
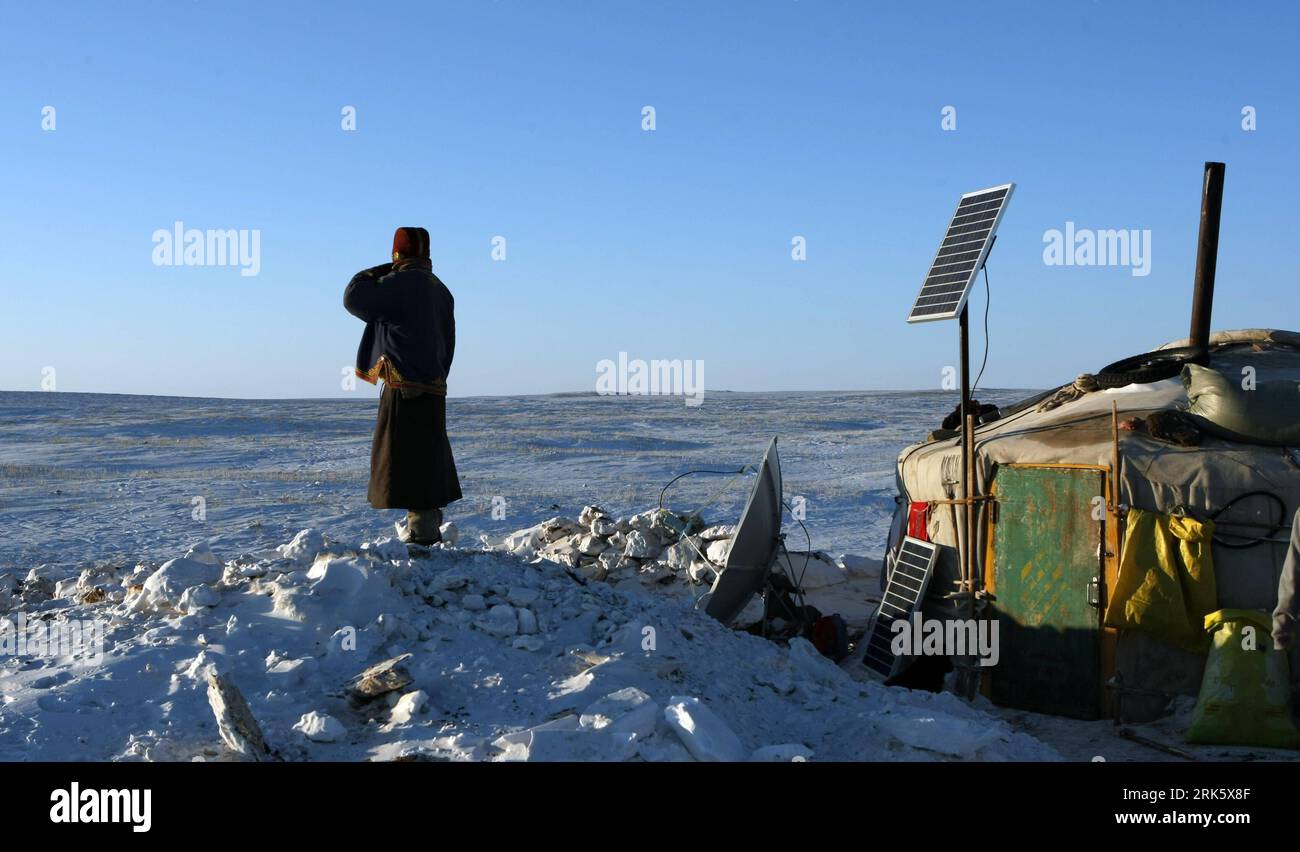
(422, 526)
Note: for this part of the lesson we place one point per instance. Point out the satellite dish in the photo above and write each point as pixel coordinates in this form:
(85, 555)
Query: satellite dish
(753, 547)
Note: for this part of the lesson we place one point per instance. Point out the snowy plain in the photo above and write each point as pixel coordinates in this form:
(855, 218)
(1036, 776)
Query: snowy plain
(178, 524)
(94, 476)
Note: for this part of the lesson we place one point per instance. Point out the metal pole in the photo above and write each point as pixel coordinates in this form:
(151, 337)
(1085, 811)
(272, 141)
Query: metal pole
(972, 575)
(967, 681)
(965, 553)
(1207, 258)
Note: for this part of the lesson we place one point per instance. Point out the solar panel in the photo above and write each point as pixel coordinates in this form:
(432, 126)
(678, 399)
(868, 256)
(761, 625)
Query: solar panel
(903, 594)
(961, 254)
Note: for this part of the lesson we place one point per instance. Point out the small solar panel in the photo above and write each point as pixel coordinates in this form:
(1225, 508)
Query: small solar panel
(903, 593)
(961, 254)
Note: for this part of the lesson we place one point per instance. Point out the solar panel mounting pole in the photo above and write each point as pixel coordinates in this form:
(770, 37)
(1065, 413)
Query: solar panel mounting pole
(959, 259)
(963, 323)
(969, 418)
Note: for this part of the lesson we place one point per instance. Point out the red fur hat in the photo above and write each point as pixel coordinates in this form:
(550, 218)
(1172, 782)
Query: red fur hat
(410, 242)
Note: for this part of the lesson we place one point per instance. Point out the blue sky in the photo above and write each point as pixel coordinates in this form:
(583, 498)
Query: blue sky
(773, 120)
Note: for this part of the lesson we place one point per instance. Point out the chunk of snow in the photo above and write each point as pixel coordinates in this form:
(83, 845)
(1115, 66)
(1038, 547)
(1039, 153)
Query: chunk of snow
(718, 551)
(641, 545)
(320, 727)
(409, 706)
(340, 575)
(568, 722)
(860, 566)
(522, 596)
(166, 585)
(207, 663)
(558, 528)
(679, 555)
(288, 674)
(41, 573)
(387, 549)
(591, 545)
(304, 548)
(524, 542)
(201, 552)
(564, 739)
(197, 598)
(702, 731)
(939, 733)
(717, 531)
(500, 620)
(627, 711)
(813, 665)
(528, 643)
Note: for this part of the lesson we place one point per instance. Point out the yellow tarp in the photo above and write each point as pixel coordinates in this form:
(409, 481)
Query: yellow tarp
(1166, 579)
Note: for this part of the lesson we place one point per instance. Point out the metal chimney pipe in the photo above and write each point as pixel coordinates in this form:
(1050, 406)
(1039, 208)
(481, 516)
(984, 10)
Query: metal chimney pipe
(1207, 258)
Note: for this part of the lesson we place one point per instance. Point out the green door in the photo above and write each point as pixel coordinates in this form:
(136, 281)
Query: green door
(1047, 563)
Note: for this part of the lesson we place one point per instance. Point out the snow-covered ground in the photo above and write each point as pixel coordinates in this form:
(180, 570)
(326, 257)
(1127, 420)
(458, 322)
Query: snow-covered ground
(497, 659)
(102, 477)
(174, 525)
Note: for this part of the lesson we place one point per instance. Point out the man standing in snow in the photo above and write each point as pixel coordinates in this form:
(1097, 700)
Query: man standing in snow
(408, 344)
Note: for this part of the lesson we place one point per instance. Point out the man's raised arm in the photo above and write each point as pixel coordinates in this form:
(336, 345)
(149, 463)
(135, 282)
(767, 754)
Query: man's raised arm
(364, 298)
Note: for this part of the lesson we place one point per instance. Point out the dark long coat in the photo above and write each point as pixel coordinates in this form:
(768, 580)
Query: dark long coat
(408, 344)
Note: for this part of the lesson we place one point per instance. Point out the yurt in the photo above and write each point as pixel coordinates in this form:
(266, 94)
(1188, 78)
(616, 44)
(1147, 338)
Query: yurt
(1110, 515)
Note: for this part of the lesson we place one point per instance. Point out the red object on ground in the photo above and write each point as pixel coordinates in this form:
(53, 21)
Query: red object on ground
(830, 636)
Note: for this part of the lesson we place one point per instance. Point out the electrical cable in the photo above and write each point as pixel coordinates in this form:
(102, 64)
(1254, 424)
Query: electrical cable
(988, 297)
(673, 482)
(682, 533)
(807, 553)
(789, 563)
(1246, 541)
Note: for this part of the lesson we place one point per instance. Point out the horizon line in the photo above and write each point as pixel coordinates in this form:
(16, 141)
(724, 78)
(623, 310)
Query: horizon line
(491, 396)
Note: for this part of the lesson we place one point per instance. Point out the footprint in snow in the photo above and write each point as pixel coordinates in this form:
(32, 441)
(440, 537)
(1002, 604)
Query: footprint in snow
(51, 681)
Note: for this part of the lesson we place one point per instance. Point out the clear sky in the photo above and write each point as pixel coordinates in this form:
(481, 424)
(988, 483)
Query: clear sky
(524, 120)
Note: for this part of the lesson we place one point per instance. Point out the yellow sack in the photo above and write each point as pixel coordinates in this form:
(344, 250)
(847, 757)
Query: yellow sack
(1246, 692)
(1166, 578)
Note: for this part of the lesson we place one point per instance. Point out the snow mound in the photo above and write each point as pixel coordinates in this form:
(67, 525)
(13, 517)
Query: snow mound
(166, 587)
(306, 545)
(371, 652)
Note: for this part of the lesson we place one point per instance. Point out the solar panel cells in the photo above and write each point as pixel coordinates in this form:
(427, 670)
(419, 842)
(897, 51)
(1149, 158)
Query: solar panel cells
(960, 254)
